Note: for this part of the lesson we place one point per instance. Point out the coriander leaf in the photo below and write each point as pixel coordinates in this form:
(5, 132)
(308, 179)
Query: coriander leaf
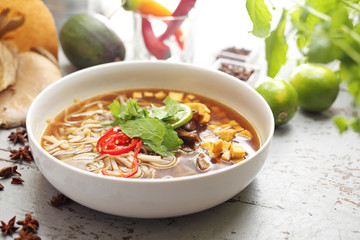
(134, 110)
(126, 111)
(172, 107)
(172, 110)
(146, 128)
(158, 112)
(115, 108)
(260, 17)
(276, 48)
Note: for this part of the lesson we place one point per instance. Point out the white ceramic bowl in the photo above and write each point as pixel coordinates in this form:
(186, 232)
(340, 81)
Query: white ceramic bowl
(149, 198)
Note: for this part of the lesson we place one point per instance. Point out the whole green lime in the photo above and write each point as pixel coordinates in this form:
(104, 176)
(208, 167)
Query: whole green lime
(317, 86)
(282, 99)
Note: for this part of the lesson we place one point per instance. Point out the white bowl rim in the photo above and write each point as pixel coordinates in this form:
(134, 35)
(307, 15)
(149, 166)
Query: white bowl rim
(146, 180)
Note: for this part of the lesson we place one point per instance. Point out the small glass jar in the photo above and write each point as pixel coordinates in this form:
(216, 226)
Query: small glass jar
(163, 38)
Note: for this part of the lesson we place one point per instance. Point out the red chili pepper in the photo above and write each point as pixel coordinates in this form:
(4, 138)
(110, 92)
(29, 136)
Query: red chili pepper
(109, 142)
(156, 47)
(118, 151)
(106, 135)
(181, 10)
(104, 172)
(134, 164)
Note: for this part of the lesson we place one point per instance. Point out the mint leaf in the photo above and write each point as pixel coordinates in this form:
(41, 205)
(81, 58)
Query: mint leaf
(156, 134)
(171, 138)
(161, 150)
(276, 48)
(135, 121)
(151, 129)
(170, 143)
(260, 17)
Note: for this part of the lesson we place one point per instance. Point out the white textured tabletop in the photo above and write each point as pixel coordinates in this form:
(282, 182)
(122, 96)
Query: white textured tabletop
(309, 188)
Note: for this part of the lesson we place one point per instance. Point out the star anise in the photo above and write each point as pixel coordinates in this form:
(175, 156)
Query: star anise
(22, 154)
(6, 172)
(59, 200)
(30, 224)
(16, 180)
(19, 136)
(26, 235)
(8, 229)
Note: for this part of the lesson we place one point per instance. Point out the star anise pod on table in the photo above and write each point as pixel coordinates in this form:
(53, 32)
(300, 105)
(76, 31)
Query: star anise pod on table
(30, 223)
(6, 172)
(26, 235)
(17, 180)
(22, 154)
(8, 229)
(59, 200)
(19, 136)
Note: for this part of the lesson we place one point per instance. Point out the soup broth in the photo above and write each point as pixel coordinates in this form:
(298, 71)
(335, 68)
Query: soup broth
(216, 137)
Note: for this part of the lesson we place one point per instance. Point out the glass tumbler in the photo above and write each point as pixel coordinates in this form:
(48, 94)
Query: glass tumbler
(163, 38)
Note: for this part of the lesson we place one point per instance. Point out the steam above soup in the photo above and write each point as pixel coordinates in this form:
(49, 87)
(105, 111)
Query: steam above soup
(150, 134)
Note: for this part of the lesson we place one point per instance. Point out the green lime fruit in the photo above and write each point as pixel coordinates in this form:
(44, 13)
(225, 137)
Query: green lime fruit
(317, 86)
(282, 99)
(184, 117)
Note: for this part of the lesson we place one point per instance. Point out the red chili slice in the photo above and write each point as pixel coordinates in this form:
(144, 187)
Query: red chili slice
(114, 142)
(118, 151)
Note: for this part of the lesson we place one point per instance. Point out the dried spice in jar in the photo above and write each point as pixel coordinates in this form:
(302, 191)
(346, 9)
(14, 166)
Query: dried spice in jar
(241, 72)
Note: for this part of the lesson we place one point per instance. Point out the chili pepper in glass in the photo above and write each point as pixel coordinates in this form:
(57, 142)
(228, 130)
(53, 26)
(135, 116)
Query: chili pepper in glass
(160, 34)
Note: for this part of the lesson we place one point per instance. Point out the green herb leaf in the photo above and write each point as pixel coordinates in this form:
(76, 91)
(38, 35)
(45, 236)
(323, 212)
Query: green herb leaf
(341, 123)
(276, 48)
(155, 133)
(355, 124)
(171, 110)
(135, 121)
(146, 128)
(260, 17)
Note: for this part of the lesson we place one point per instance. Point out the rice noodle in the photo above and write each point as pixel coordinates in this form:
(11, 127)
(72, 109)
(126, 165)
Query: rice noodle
(76, 139)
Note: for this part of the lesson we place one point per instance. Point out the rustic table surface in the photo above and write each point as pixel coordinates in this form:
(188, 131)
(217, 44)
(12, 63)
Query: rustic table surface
(309, 187)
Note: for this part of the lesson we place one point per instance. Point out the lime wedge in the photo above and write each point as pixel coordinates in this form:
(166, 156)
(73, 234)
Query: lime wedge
(184, 117)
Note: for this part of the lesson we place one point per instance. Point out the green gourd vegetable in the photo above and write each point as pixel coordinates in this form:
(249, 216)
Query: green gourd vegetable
(87, 41)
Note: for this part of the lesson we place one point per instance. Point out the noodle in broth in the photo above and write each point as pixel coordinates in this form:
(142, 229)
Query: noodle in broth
(72, 137)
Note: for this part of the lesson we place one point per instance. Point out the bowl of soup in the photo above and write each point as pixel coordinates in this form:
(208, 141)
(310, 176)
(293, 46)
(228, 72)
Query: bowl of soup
(149, 139)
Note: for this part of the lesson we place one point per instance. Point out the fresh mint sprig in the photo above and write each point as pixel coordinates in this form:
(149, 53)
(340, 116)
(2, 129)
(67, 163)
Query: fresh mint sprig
(152, 127)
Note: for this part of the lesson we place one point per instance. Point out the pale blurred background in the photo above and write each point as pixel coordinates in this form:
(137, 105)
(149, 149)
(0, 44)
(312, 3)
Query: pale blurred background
(219, 24)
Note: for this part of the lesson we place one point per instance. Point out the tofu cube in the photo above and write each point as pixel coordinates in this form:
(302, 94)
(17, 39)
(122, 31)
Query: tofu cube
(160, 95)
(226, 134)
(148, 94)
(226, 145)
(203, 111)
(237, 151)
(217, 147)
(177, 96)
(137, 95)
(190, 96)
(207, 146)
(246, 133)
(226, 155)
